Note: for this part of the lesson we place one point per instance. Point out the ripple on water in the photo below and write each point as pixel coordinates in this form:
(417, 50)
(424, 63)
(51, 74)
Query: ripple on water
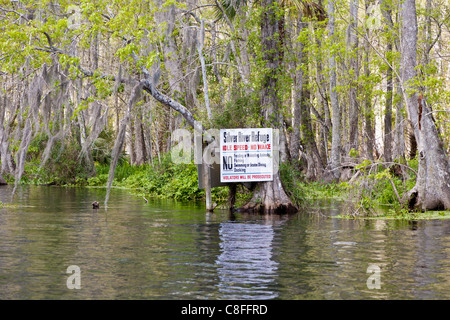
(169, 250)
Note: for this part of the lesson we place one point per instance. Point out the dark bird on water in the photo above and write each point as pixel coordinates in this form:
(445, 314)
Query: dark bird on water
(95, 205)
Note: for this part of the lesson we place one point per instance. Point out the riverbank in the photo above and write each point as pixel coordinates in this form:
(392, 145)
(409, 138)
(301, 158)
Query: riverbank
(164, 179)
(372, 191)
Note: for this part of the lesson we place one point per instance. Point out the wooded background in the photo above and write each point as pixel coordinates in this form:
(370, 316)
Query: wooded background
(83, 82)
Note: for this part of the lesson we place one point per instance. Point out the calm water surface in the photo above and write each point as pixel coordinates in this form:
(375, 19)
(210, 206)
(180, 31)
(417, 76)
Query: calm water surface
(169, 250)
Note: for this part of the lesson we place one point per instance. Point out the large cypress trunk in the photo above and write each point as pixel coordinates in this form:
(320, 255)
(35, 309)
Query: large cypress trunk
(432, 189)
(270, 197)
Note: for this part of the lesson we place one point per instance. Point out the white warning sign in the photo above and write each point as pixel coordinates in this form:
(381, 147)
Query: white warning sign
(246, 155)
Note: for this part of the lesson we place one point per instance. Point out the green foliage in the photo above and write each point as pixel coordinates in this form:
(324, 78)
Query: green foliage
(353, 153)
(292, 180)
(64, 166)
(304, 192)
(97, 181)
(236, 111)
(177, 181)
(34, 174)
(375, 187)
(181, 183)
(36, 147)
(165, 180)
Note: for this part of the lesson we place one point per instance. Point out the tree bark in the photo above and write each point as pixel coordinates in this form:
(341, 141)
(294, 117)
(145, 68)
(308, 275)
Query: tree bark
(369, 135)
(200, 43)
(408, 62)
(295, 135)
(336, 113)
(432, 189)
(2, 181)
(353, 90)
(232, 188)
(399, 137)
(172, 61)
(388, 135)
(242, 59)
(139, 140)
(325, 127)
(269, 197)
(388, 113)
(129, 143)
(302, 101)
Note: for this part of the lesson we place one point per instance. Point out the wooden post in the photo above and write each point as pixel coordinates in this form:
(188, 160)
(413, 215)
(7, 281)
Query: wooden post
(207, 185)
(232, 188)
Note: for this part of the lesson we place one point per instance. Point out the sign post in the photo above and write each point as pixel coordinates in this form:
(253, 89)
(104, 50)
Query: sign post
(246, 155)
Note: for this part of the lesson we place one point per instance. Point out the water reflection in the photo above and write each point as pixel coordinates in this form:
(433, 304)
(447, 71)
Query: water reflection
(168, 250)
(245, 266)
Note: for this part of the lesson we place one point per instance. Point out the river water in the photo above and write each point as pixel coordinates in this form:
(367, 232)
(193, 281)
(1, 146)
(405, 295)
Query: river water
(170, 250)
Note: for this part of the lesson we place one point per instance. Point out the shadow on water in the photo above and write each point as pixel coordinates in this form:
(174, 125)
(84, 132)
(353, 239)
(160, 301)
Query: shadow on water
(169, 250)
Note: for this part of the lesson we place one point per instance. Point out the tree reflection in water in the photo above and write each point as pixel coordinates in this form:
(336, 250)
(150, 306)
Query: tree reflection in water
(245, 266)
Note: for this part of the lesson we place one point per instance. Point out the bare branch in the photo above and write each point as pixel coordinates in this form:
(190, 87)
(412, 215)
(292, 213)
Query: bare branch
(14, 11)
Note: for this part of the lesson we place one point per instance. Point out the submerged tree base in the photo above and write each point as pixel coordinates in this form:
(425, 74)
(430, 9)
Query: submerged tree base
(269, 198)
(275, 208)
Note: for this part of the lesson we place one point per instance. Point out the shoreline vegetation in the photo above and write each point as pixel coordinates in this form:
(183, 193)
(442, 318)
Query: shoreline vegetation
(372, 190)
(99, 93)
